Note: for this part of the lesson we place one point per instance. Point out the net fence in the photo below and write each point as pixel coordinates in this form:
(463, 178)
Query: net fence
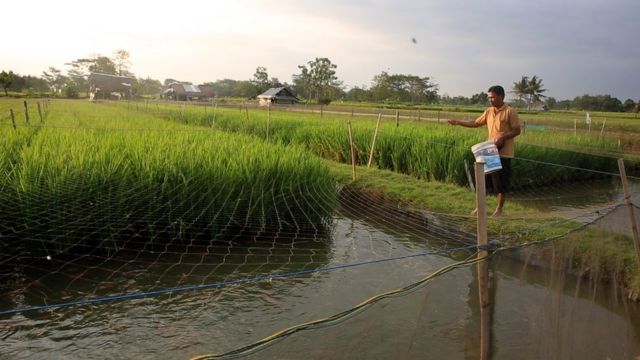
(175, 261)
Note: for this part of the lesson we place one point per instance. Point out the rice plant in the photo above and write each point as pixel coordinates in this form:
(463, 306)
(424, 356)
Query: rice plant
(99, 177)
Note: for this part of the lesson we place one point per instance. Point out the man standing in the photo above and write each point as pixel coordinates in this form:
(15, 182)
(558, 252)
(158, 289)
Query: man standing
(503, 126)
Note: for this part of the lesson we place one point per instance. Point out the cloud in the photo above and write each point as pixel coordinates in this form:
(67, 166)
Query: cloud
(575, 46)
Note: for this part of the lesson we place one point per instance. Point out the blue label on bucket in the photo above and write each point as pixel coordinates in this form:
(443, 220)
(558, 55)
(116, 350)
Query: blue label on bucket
(487, 152)
(491, 163)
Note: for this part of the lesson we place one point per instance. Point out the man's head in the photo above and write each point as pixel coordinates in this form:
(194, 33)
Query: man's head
(496, 95)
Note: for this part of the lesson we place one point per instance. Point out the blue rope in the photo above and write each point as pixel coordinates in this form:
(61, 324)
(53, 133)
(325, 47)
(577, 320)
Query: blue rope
(145, 294)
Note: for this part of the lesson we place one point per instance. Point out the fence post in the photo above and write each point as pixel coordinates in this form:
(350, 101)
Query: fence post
(603, 124)
(26, 112)
(397, 118)
(353, 153)
(630, 213)
(40, 112)
(373, 143)
(483, 268)
(268, 118)
(13, 119)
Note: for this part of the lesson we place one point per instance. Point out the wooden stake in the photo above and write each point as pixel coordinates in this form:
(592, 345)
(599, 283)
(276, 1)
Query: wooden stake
(321, 110)
(628, 200)
(26, 112)
(268, 119)
(373, 143)
(603, 124)
(40, 112)
(215, 107)
(469, 178)
(353, 153)
(419, 115)
(575, 126)
(397, 118)
(246, 110)
(13, 119)
(483, 269)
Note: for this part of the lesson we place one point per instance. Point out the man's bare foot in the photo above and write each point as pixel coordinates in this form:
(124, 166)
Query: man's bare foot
(474, 212)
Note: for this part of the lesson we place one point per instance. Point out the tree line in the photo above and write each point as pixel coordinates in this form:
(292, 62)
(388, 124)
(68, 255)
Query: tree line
(316, 81)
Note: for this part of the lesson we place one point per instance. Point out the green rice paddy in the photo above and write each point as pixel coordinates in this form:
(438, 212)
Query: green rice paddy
(93, 175)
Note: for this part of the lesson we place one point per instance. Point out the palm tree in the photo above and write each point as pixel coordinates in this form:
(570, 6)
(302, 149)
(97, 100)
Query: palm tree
(535, 90)
(529, 89)
(520, 87)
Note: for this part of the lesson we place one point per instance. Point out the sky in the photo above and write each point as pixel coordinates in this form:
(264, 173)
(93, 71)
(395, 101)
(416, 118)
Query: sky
(577, 47)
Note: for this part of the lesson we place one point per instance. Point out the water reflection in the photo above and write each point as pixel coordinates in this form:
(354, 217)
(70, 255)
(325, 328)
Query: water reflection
(536, 313)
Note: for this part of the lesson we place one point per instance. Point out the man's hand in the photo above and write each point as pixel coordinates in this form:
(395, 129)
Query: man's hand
(453, 122)
(499, 142)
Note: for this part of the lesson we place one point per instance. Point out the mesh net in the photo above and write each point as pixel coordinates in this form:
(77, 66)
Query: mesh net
(163, 266)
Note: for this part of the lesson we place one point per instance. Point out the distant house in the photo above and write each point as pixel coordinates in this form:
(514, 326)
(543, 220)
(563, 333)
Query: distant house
(188, 92)
(107, 86)
(279, 95)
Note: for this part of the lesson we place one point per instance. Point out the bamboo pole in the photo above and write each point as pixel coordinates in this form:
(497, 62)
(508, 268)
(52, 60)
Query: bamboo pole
(469, 178)
(13, 119)
(483, 269)
(603, 124)
(268, 119)
(630, 212)
(397, 118)
(213, 119)
(575, 126)
(40, 112)
(353, 153)
(373, 143)
(26, 112)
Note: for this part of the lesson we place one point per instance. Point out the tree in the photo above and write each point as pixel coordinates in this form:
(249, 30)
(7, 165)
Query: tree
(302, 82)
(224, 88)
(55, 79)
(529, 89)
(629, 105)
(6, 79)
(479, 99)
(597, 103)
(550, 103)
(121, 62)
(358, 94)
(245, 89)
(403, 88)
(520, 87)
(261, 79)
(319, 80)
(147, 86)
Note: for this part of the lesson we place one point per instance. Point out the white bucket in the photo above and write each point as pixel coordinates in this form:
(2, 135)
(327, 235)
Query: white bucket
(487, 152)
